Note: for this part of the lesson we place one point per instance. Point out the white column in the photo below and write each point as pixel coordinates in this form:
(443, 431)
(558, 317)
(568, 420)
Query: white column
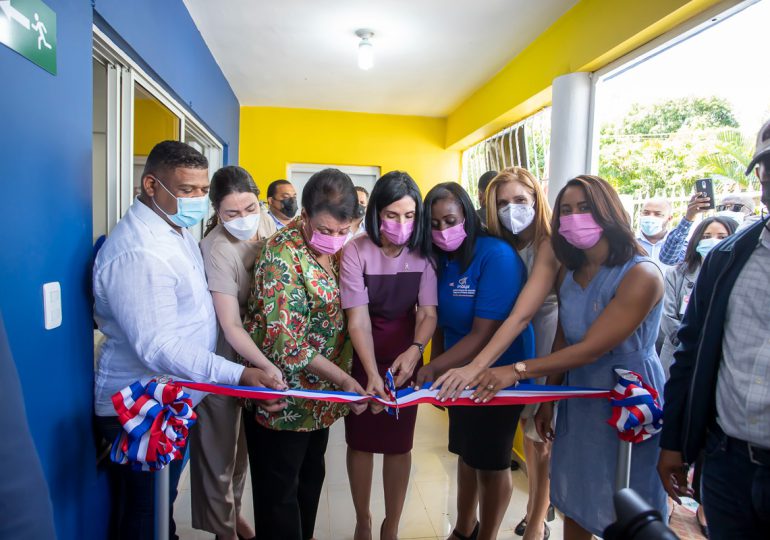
(570, 124)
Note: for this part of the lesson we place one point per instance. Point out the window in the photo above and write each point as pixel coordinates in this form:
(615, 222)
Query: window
(132, 113)
(686, 106)
(525, 144)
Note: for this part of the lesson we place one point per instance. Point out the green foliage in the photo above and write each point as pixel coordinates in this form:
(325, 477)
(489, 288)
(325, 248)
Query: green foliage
(676, 114)
(732, 153)
(669, 145)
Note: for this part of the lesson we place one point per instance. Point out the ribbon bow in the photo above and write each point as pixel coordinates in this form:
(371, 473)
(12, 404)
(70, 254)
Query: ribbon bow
(156, 418)
(636, 412)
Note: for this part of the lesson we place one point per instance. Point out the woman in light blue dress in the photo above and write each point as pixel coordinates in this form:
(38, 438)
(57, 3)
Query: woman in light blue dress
(609, 310)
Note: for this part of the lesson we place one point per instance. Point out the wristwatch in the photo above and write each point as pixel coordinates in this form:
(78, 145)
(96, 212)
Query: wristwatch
(420, 347)
(521, 370)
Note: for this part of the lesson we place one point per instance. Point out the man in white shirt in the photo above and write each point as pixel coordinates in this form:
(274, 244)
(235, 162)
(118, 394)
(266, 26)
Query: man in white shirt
(653, 226)
(152, 303)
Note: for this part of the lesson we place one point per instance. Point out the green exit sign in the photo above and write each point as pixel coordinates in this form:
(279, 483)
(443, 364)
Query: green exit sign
(29, 28)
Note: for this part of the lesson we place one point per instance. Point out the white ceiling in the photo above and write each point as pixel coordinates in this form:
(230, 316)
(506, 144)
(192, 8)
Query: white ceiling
(429, 54)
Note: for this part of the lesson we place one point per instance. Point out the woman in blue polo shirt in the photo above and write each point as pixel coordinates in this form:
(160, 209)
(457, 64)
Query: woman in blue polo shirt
(479, 279)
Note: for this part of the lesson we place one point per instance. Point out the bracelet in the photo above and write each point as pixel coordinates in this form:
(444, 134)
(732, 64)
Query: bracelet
(420, 347)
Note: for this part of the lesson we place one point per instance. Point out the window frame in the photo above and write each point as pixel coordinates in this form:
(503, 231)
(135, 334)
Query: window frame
(690, 28)
(122, 74)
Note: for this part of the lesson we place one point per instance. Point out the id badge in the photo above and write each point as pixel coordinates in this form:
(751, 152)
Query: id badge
(683, 307)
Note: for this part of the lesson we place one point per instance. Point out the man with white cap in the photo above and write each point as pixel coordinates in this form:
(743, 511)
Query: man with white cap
(718, 396)
(739, 207)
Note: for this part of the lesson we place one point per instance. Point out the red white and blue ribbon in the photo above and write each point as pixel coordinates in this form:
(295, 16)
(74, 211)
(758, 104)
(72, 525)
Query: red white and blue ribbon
(636, 412)
(156, 418)
(407, 397)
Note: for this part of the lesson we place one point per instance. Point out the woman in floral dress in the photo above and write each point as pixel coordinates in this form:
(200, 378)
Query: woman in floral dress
(295, 317)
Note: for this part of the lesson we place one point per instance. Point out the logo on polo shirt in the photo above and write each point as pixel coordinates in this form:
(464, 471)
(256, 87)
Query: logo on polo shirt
(462, 289)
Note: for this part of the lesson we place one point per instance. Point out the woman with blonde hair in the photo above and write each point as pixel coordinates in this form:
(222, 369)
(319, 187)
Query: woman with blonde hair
(518, 212)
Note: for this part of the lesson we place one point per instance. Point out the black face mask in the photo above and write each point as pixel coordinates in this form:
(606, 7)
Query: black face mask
(360, 211)
(289, 207)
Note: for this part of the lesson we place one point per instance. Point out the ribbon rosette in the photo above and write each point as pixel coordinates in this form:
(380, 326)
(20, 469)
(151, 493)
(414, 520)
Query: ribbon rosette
(636, 412)
(156, 418)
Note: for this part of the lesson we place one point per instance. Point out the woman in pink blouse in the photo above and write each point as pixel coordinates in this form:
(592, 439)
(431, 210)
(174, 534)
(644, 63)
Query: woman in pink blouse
(388, 289)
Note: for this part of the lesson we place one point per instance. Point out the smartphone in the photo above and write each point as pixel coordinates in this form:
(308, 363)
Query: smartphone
(705, 186)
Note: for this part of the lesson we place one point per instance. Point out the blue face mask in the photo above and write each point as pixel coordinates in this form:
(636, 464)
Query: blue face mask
(706, 245)
(189, 210)
(651, 225)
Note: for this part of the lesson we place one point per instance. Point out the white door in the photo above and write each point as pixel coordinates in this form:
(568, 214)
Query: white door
(299, 173)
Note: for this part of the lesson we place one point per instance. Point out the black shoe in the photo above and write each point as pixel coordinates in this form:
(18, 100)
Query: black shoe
(521, 528)
(474, 534)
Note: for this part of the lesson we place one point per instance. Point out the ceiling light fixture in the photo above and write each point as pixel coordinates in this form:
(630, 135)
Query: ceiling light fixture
(365, 49)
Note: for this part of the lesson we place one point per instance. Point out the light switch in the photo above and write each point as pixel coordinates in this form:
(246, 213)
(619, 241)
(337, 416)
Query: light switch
(52, 305)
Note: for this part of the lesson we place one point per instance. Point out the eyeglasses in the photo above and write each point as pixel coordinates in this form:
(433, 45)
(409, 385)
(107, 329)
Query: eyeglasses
(737, 207)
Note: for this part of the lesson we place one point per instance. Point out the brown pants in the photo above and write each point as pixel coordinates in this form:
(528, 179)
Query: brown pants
(218, 464)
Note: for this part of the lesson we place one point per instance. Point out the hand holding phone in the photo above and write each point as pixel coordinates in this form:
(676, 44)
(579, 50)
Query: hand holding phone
(696, 205)
(705, 186)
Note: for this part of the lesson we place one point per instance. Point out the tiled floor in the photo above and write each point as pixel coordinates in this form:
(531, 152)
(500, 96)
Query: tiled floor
(430, 505)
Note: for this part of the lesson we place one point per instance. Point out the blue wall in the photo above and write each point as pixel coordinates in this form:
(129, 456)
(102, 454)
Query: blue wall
(45, 219)
(165, 38)
(45, 222)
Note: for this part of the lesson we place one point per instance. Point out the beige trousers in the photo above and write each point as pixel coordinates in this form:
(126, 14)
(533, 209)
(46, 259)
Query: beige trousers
(218, 464)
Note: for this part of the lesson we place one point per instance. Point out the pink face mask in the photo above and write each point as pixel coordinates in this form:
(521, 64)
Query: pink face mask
(397, 233)
(326, 243)
(450, 238)
(580, 230)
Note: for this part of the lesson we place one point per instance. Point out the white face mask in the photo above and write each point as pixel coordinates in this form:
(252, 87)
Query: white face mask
(243, 228)
(737, 216)
(516, 217)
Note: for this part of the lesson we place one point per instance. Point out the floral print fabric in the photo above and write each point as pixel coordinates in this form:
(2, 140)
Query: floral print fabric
(294, 313)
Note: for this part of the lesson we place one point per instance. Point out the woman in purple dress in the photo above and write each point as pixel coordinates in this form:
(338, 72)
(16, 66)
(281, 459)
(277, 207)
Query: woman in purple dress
(388, 289)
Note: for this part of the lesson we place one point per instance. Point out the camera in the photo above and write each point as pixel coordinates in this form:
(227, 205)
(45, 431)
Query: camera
(636, 520)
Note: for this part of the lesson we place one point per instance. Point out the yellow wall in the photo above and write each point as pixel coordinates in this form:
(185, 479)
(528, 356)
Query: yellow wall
(589, 36)
(271, 138)
(153, 123)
